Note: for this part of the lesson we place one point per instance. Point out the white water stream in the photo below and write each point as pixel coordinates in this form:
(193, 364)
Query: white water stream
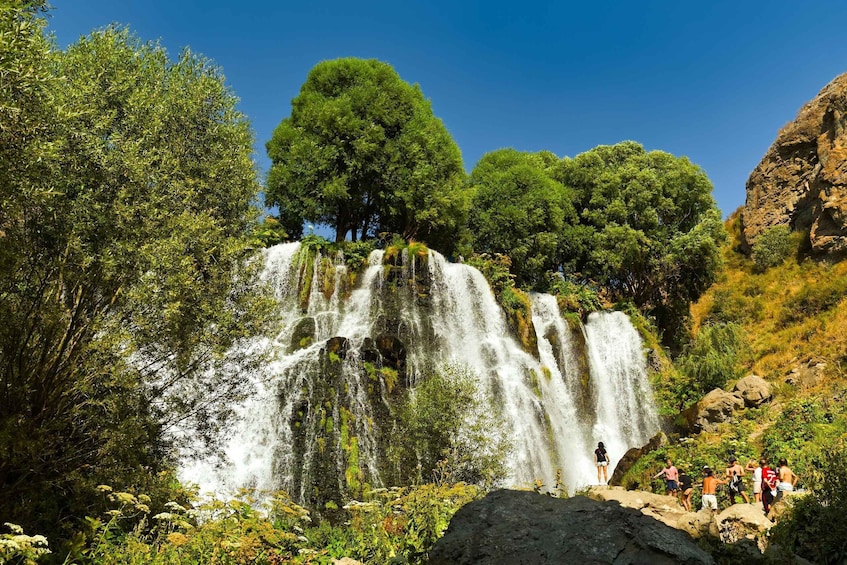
(587, 385)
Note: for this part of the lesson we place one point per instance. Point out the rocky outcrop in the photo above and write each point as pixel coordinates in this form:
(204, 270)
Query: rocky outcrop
(716, 407)
(632, 455)
(753, 390)
(802, 180)
(525, 527)
(738, 524)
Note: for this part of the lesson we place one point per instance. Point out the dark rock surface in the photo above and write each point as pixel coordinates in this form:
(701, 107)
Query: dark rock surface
(514, 527)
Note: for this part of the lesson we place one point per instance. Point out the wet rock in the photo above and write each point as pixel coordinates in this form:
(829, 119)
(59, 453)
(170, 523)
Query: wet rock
(303, 334)
(716, 407)
(338, 345)
(754, 390)
(525, 527)
(392, 350)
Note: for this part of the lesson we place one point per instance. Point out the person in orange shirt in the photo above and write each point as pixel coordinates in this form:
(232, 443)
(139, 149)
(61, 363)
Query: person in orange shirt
(710, 489)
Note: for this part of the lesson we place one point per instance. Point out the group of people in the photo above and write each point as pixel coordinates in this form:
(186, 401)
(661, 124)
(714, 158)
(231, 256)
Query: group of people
(769, 484)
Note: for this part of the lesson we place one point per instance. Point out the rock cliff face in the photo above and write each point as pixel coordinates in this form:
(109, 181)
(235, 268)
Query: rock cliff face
(802, 179)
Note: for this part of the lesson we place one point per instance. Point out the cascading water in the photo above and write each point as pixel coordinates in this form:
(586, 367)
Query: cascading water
(319, 423)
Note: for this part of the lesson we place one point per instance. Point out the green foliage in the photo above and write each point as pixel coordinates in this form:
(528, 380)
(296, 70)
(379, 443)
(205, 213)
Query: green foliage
(17, 547)
(125, 269)
(270, 232)
(496, 269)
(815, 527)
(362, 152)
(398, 524)
(772, 247)
(813, 299)
(519, 210)
(444, 427)
(574, 297)
(714, 357)
(651, 230)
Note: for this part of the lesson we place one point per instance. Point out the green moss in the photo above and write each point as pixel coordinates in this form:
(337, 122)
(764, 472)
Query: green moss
(389, 377)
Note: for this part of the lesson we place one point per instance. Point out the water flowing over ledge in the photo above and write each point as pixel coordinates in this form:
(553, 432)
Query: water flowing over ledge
(319, 424)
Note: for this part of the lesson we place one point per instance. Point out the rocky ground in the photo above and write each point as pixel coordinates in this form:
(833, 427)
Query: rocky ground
(609, 525)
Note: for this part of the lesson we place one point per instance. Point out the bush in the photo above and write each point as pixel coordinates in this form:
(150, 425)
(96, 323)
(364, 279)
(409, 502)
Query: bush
(772, 247)
(815, 527)
(447, 433)
(820, 296)
(713, 358)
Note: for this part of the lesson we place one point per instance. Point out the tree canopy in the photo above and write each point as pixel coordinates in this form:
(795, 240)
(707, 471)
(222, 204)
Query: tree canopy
(653, 229)
(519, 210)
(127, 184)
(363, 152)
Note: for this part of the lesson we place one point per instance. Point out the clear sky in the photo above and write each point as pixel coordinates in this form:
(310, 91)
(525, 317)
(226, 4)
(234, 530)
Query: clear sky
(713, 81)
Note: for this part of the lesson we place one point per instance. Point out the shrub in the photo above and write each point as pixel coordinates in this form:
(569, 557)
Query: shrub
(815, 527)
(772, 247)
(714, 357)
(820, 296)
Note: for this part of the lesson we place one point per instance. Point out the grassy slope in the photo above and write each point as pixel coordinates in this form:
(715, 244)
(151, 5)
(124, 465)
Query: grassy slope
(794, 315)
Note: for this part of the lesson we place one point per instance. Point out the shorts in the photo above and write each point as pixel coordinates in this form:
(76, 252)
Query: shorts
(710, 501)
(671, 485)
(602, 463)
(757, 487)
(784, 486)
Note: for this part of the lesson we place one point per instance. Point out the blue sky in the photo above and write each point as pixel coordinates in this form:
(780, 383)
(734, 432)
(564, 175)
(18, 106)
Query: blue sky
(713, 81)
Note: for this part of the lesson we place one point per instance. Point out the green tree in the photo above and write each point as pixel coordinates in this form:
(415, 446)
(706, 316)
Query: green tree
(126, 233)
(654, 231)
(519, 210)
(362, 152)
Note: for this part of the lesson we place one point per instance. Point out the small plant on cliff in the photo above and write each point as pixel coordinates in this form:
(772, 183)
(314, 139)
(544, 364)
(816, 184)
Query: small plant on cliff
(772, 247)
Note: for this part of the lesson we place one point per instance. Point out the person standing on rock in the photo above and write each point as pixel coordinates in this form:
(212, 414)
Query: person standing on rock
(710, 490)
(671, 477)
(736, 484)
(754, 467)
(686, 487)
(787, 479)
(601, 459)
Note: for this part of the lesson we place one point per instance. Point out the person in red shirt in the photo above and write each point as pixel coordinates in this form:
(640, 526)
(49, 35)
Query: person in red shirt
(769, 482)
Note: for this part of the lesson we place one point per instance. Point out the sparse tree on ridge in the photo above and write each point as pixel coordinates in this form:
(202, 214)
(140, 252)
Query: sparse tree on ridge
(363, 153)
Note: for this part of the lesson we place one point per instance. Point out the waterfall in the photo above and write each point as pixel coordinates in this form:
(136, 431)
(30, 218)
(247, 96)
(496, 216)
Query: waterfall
(319, 421)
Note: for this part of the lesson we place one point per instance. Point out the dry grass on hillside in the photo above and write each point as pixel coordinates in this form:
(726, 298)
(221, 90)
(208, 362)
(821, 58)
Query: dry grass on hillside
(793, 314)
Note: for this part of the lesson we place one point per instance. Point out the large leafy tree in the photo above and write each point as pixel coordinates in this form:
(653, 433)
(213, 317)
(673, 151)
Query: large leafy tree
(363, 152)
(125, 229)
(654, 229)
(519, 210)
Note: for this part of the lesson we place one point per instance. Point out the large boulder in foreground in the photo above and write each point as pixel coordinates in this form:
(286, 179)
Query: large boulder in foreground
(801, 181)
(524, 527)
(716, 407)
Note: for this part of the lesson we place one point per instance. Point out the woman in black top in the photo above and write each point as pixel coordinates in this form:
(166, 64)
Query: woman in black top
(686, 487)
(601, 459)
